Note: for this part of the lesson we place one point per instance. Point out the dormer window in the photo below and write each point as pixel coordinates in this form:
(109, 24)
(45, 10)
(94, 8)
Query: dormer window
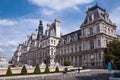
(92, 17)
(103, 15)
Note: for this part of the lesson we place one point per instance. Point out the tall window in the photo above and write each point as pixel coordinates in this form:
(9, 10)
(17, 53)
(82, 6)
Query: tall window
(83, 45)
(92, 16)
(79, 48)
(112, 32)
(83, 33)
(99, 56)
(68, 49)
(51, 50)
(98, 28)
(51, 41)
(91, 31)
(105, 29)
(91, 44)
(71, 50)
(54, 42)
(76, 49)
(108, 31)
(99, 43)
(64, 51)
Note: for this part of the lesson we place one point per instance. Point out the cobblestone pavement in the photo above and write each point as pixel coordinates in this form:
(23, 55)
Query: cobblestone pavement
(88, 75)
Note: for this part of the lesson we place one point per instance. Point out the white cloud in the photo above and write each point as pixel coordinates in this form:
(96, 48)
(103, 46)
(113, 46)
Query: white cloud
(12, 43)
(13, 49)
(77, 8)
(6, 22)
(59, 4)
(17, 34)
(115, 17)
(47, 12)
(8, 43)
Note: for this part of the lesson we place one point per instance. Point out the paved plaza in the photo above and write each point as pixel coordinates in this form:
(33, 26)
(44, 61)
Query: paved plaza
(83, 75)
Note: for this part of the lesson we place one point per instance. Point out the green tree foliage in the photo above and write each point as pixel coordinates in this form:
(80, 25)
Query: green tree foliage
(112, 52)
(24, 70)
(57, 69)
(109, 57)
(67, 62)
(9, 72)
(47, 69)
(37, 69)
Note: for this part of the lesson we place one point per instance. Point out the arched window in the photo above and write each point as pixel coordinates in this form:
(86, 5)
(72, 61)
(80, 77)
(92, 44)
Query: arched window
(91, 44)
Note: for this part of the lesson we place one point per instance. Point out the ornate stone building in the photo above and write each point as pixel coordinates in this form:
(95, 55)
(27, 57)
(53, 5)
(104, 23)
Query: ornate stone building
(84, 47)
(41, 48)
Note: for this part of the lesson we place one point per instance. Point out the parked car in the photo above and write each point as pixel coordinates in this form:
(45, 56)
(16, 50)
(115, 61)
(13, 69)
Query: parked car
(115, 76)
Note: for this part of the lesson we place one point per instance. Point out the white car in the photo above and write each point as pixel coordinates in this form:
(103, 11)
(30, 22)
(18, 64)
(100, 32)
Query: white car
(115, 76)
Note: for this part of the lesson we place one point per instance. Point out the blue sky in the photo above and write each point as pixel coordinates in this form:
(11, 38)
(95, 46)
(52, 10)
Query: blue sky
(19, 18)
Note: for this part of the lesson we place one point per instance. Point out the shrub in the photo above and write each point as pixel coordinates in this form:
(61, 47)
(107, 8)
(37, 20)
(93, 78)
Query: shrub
(67, 62)
(47, 69)
(57, 69)
(37, 69)
(9, 72)
(24, 70)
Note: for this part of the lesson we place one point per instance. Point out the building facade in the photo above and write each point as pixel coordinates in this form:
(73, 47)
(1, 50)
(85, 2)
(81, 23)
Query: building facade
(3, 62)
(41, 48)
(84, 47)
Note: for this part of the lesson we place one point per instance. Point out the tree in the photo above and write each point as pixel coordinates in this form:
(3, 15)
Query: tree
(57, 69)
(67, 62)
(24, 70)
(112, 53)
(9, 72)
(47, 69)
(37, 69)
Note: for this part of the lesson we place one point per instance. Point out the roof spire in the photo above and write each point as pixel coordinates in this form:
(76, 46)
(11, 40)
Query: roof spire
(96, 4)
(40, 23)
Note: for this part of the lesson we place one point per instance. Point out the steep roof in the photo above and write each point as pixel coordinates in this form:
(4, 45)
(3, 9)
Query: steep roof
(95, 7)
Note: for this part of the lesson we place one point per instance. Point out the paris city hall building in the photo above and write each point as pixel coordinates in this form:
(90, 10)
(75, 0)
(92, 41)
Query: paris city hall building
(84, 47)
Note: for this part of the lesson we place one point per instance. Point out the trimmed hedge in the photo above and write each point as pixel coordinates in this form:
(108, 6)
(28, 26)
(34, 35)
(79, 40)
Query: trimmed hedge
(37, 70)
(47, 69)
(9, 72)
(24, 70)
(57, 69)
